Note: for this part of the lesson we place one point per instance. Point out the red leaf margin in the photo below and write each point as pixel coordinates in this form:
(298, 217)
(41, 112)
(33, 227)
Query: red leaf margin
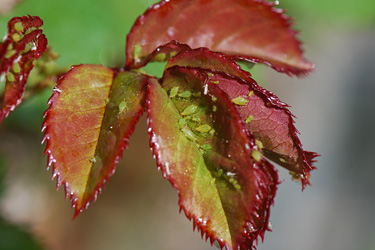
(157, 12)
(263, 170)
(51, 161)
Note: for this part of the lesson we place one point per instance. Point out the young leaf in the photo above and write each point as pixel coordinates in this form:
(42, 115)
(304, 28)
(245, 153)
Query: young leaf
(91, 116)
(250, 30)
(203, 149)
(265, 116)
(23, 44)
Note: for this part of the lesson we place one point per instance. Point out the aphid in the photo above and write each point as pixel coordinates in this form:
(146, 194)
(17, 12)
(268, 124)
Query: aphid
(251, 93)
(197, 94)
(259, 144)
(282, 160)
(240, 100)
(16, 37)
(137, 52)
(214, 99)
(249, 118)
(29, 30)
(189, 134)
(18, 27)
(196, 119)
(210, 74)
(16, 68)
(215, 82)
(10, 53)
(256, 155)
(189, 110)
(185, 94)
(160, 57)
(203, 128)
(173, 92)
(220, 172)
(10, 77)
(214, 108)
(28, 47)
(212, 132)
(122, 106)
(206, 147)
(182, 122)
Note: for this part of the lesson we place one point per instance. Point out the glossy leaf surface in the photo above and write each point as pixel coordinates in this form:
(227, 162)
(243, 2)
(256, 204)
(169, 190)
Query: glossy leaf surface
(23, 44)
(252, 30)
(203, 149)
(264, 115)
(91, 116)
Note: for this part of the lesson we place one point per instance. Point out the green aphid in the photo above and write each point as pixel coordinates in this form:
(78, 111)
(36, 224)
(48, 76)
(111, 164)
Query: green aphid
(215, 82)
(18, 27)
(137, 52)
(29, 30)
(10, 77)
(203, 128)
(196, 119)
(256, 155)
(185, 94)
(182, 122)
(240, 100)
(160, 57)
(172, 54)
(259, 144)
(16, 68)
(214, 108)
(237, 186)
(197, 94)
(122, 106)
(249, 118)
(220, 172)
(10, 53)
(189, 134)
(214, 99)
(16, 37)
(282, 160)
(173, 92)
(191, 109)
(251, 93)
(212, 132)
(28, 47)
(206, 147)
(210, 74)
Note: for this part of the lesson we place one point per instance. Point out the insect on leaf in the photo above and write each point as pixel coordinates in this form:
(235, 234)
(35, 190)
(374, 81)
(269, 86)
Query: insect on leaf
(250, 30)
(264, 115)
(222, 188)
(91, 116)
(23, 44)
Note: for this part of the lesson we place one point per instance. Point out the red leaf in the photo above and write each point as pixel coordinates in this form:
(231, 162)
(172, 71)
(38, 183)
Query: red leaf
(203, 149)
(23, 44)
(265, 116)
(92, 115)
(252, 30)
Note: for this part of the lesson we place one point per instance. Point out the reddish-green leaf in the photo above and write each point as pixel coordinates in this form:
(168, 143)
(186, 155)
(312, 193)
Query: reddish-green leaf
(23, 44)
(252, 30)
(92, 115)
(265, 116)
(204, 150)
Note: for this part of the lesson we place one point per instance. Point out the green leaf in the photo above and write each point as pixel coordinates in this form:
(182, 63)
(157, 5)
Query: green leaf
(92, 115)
(224, 190)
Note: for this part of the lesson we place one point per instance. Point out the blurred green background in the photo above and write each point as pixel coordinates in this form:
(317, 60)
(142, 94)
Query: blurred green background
(138, 209)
